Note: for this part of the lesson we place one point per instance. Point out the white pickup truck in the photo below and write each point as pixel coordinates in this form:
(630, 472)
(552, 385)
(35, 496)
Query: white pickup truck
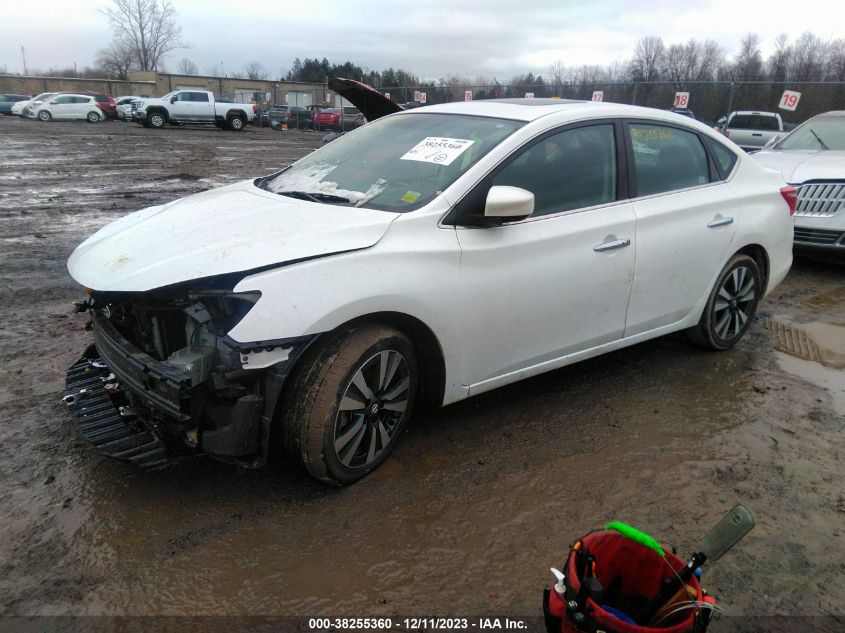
(191, 107)
(752, 130)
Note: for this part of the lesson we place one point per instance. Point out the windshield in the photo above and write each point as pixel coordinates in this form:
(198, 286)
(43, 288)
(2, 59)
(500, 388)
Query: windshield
(816, 134)
(397, 163)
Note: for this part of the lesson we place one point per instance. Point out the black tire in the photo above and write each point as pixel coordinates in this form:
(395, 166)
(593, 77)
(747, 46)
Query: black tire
(93, 117)
(45, 116)
(731, 306)
(156, 120)
(320, 424)
(237, 124)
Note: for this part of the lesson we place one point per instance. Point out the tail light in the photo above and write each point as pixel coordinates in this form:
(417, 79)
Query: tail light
(790, 194)
(255, 108)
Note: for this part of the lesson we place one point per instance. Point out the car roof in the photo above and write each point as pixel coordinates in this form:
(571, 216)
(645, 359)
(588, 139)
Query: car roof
(831, 114)
(755, 112)
(533, 109)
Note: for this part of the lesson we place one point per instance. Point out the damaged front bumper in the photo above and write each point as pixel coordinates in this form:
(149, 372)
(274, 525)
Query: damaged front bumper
(134, 407)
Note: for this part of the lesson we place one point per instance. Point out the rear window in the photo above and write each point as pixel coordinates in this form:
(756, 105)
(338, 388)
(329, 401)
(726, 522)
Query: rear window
(101, 98)
(754, 122)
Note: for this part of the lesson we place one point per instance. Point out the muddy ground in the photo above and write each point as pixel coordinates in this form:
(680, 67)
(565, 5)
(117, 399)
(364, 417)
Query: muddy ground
(479, 499)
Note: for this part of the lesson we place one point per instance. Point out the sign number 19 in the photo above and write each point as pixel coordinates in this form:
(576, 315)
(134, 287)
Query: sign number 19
(789, 100)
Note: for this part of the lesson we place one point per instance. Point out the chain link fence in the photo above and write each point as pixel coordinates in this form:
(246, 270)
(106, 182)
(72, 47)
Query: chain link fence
(708, 100)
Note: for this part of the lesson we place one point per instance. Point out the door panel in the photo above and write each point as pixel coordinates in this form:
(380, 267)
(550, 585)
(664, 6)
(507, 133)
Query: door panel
(540, 290)
(684, 229)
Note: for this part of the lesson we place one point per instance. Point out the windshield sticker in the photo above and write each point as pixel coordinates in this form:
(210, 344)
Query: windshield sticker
(440, 151)
(410, 196)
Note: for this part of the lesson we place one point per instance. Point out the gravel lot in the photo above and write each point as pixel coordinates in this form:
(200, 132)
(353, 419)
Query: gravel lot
(479, 499)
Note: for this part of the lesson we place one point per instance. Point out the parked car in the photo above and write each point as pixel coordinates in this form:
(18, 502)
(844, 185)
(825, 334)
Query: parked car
(812, 158)
(684, 112)
(328, 119)
(298, 117)
(752, 130)
(427, 256)
(8, 100)
(67, 106)
(106, 104)
(194, 107)
(27, 109)
(124, 107)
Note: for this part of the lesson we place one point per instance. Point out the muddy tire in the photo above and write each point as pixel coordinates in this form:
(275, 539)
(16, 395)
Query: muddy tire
(156, 120)
(236, 123)
(348, 402)
(731, 306)
(45, 116)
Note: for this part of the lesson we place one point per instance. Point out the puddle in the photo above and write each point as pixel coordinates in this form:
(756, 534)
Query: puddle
(831, 379)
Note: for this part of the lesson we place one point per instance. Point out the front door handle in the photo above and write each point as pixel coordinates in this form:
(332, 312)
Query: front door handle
(756, 134)
(720, 222)
(609, 246)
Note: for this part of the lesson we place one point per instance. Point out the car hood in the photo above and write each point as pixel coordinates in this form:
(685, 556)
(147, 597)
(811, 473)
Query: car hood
(799, 166)
(233, 229)
(370, 102)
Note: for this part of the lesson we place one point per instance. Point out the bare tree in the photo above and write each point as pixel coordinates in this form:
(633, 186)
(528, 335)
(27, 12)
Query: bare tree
(187, 67)
(116, 60)
(748, 64)
(778, 64)
(557, 71)
(836, 61)
(147, 27)
(648, 59)
(808, 56)
(255, 70)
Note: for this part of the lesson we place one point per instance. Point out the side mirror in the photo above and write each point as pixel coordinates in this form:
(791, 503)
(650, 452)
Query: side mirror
(508, 204)
(172, 99)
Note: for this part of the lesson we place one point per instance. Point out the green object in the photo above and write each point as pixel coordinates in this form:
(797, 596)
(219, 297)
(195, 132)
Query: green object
(635, 535)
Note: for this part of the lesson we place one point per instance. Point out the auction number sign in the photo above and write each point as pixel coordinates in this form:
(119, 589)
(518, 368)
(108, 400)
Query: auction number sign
(423, 97)
(682, 100)
(529, 95)
(467, 95)
(387, 96)
(789, 100)
(598, 95)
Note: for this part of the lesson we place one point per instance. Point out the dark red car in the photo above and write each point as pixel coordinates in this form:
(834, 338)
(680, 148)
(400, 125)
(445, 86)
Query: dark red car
(105, 103)
(329, 118)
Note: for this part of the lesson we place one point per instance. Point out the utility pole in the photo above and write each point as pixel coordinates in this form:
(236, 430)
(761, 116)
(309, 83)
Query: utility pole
(23, 57)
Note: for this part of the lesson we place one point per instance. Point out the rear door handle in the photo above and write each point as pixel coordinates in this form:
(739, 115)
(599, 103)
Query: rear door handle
(609, 246)
(756, 134)
(720, 222)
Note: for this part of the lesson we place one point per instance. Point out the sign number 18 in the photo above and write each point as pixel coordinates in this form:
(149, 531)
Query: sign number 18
(681, 100)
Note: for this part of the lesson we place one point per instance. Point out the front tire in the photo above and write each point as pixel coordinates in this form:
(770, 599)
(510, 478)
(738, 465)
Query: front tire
(45, 116)
(156, 120)
(731, 305)
(349, 401)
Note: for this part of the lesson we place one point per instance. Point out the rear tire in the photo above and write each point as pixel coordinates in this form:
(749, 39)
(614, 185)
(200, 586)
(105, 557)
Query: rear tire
(93, 117)
(236, 123)
(346, 405)
(731, 305)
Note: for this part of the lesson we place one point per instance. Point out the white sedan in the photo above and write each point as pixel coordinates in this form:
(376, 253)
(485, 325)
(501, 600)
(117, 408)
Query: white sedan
(64, 106)
(812, 158)
(428, 256)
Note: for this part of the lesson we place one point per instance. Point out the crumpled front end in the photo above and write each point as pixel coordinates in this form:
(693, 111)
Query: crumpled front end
(164, 381)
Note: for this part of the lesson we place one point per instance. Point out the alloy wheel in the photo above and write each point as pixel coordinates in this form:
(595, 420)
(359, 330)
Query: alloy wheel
(371, 409)
(734, 303)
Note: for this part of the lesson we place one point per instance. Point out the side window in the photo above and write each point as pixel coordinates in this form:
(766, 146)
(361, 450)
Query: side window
(183, 96)
(82, 99)
(199, 96)
(667, 158)
(725, 158)
(570, 170)
(63, 100)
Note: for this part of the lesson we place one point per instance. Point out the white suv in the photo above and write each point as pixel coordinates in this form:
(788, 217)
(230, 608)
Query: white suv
(428, 256)
(65, 106)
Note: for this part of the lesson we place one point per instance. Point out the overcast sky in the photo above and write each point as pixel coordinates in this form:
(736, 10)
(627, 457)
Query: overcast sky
(428, 38)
